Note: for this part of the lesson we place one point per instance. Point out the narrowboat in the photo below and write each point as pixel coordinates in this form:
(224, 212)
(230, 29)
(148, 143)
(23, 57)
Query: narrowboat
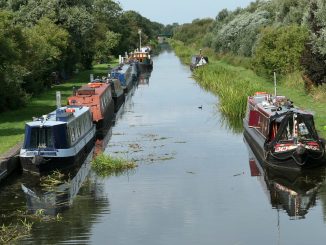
(57, 140)
(124, 74)
(284, 135)
(198, 61)
(143, 59)
(118, 94)
(97, 95)
(292, 191)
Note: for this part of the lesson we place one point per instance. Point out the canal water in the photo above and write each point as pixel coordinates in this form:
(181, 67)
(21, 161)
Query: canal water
(197, 181)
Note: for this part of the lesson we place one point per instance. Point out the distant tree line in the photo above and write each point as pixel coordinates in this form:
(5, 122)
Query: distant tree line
(45, 40)
(277, 35)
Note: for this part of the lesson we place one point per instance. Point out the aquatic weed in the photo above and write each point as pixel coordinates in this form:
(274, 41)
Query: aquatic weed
(105, 165)
(54, 179)
(11, 233)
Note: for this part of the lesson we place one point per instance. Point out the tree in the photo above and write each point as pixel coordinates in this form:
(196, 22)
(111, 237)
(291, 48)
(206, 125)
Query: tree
(47, 44)
(12, 48)
(279, 49)
(314, 56)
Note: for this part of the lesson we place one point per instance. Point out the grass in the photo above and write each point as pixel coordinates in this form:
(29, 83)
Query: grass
(12, 122)
(105, 165)
(233, 83)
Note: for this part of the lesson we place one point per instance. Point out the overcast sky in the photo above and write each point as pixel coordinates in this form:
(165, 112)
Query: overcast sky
(180, 11)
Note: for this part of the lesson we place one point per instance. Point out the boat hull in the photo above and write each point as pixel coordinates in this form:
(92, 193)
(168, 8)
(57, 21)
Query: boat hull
(108, 116)
(146, 66)
(281, 161)
(118, 101)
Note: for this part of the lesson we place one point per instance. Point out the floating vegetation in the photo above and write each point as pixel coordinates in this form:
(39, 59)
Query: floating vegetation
(105, 165)
(38, 216)
(11, 233)
(155, 158)
(52, 180)
(135, 146)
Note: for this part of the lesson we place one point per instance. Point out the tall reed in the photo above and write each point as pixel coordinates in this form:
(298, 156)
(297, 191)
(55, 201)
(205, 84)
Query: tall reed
(229, 85)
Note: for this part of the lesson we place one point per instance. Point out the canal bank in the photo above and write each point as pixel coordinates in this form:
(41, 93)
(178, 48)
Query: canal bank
(234, 83)
(193, 184)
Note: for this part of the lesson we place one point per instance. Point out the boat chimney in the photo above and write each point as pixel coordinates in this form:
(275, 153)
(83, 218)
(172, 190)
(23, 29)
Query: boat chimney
(58, 99)
(275, 84)
(120, 59)
(91, 78)
(139, 32)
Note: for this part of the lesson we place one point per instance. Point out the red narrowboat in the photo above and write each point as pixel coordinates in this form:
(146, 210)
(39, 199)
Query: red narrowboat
(97, 96)
(284, 135)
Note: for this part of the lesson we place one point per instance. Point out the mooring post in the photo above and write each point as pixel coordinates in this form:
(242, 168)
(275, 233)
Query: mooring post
(58, 99)
(275, 83)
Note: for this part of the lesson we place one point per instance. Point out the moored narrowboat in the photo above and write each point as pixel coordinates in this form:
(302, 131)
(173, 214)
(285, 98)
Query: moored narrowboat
(144, 60)
(284, 135)
(57, 140)
(124, 74)
(97, 95)
(117, 93)
(198, 61)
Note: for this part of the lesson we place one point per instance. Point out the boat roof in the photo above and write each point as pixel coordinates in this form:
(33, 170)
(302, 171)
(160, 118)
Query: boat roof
(273, 105)
(122, 69)
(61, 115)
(92, 88)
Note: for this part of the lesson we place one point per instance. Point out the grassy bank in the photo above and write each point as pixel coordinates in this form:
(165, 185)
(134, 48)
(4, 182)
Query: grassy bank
(12, 122)
(234, 83)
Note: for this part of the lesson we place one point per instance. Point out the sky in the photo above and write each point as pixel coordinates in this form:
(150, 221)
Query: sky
(180, 11)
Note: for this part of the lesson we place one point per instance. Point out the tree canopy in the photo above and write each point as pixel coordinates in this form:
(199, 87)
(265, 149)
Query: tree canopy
(39, 37)
(281, 35)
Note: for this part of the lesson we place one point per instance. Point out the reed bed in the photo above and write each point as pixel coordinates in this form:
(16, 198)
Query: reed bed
(231, 84)
(231, 88)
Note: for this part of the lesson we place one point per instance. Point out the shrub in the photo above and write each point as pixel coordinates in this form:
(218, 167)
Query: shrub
(279, 49)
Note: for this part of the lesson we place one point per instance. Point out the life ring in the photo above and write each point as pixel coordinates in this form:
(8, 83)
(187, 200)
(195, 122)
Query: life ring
(70, 110)
(258, 93)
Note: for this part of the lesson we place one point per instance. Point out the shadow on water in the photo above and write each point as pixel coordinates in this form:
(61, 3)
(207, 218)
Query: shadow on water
(144, 78)
(292, 191)
(54, 199)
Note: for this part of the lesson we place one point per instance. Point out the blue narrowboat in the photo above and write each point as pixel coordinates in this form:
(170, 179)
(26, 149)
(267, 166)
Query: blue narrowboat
(57, 140)
(125, 73)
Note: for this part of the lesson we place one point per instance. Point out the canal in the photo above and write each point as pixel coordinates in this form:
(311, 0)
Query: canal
(197, 182)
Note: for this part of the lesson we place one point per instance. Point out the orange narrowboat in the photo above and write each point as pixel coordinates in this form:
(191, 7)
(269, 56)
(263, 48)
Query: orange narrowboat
(98, 97)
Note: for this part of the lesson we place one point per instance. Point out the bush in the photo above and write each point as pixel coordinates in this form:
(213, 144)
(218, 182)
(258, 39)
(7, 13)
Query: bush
(279, 49)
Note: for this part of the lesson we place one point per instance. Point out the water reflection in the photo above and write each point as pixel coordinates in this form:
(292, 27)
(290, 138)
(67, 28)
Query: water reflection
(292, 191)
(55, 199)
(144, 78)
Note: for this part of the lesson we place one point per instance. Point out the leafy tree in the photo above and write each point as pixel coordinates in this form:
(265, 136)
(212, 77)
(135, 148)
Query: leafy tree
(239, 35)
(194, 32)
(12, 48)
(279, 49)
(314, 55)
(47, 44)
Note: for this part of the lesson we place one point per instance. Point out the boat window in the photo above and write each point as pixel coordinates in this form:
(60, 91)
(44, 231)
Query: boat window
(296, 129)
(303, 132)
(40, 138)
